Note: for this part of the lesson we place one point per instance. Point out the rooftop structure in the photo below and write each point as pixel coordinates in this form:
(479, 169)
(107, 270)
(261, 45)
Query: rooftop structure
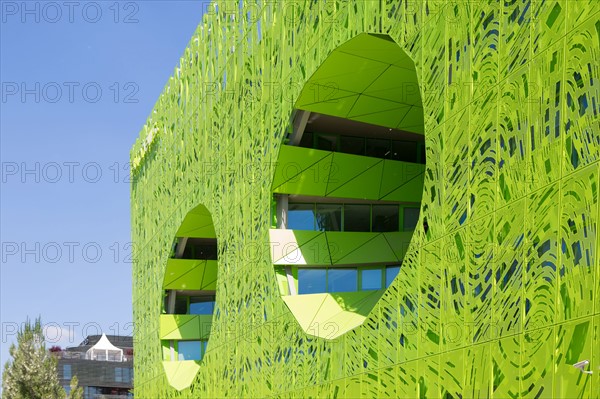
(103, 369)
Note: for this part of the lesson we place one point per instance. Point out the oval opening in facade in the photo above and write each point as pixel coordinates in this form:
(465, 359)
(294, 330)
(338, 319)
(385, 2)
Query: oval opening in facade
(189, 297)
(348, 185)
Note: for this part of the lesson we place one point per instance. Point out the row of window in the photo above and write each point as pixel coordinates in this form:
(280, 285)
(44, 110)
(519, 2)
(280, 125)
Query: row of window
(106, 357)
(188, 350)
(122, 374)
(315, 280)
(203, 305)
(99, 392)
(407, 151)
(198, 248)
(351, 217)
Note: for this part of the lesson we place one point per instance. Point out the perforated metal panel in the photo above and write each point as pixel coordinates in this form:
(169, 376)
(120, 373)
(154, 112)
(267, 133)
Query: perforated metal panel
(497, 299)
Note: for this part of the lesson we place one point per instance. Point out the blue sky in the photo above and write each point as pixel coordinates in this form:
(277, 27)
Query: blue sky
(78, 83)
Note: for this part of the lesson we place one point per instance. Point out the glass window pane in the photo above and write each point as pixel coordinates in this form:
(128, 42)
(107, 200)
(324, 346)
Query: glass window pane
(307, 140)
(181, 305)
(352, 145)
(311, 281)
(200, 305)
(342, 280)
(390, 274)
(326, 142)
(371, 279)
(189, 350)
(385, 218)
(378, 148)
(404, 151)
(329, 217)
(411, 217)
(301, 217)
(66, 371)
(357, 217)
(197, 248)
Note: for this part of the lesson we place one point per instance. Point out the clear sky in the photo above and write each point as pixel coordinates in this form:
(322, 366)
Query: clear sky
(78, 82)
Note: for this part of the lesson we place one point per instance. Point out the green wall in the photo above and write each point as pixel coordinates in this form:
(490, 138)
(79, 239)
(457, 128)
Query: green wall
(498, 299)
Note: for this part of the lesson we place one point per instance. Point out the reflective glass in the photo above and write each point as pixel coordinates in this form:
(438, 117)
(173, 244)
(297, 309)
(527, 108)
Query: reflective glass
(352, 145)
(326, 142)
(311, 281)
(189, 350)
(307, 140)
(205, 251)
(301, 217)
(181, 305)
(390, 274)
(370, 279)
(342, 280)
(378, 148)
(357, 217)
(199, 305)
(329, 217)
(66, 371)
(404, 151)
(385, 218)
(411, 217)
(199, 248)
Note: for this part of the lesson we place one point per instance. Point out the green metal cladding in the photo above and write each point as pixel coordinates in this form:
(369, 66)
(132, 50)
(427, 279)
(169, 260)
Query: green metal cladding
(497, 298)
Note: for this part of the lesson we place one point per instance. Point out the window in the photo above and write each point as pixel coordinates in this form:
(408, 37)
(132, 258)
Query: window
(378, 148)
(301, 216)
(385, 218)
(118, 374)
(390, 274)
(404, 151)
(371, 279)
(189, 350)
(352, 145)
(181, 305)
(67, 371)
(357, 217)
(363, 217)
(200, 248)
(329, 217)
(307, 140)
(312, 281)
(342, 280)
(411, 217)
(345, 279)
(202, 305)
(326, 142)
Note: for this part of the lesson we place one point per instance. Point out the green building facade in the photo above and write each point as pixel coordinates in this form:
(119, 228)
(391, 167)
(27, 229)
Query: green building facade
(373, 199)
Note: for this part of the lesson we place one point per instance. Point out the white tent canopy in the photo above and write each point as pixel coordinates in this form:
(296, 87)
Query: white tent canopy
(104, 350)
